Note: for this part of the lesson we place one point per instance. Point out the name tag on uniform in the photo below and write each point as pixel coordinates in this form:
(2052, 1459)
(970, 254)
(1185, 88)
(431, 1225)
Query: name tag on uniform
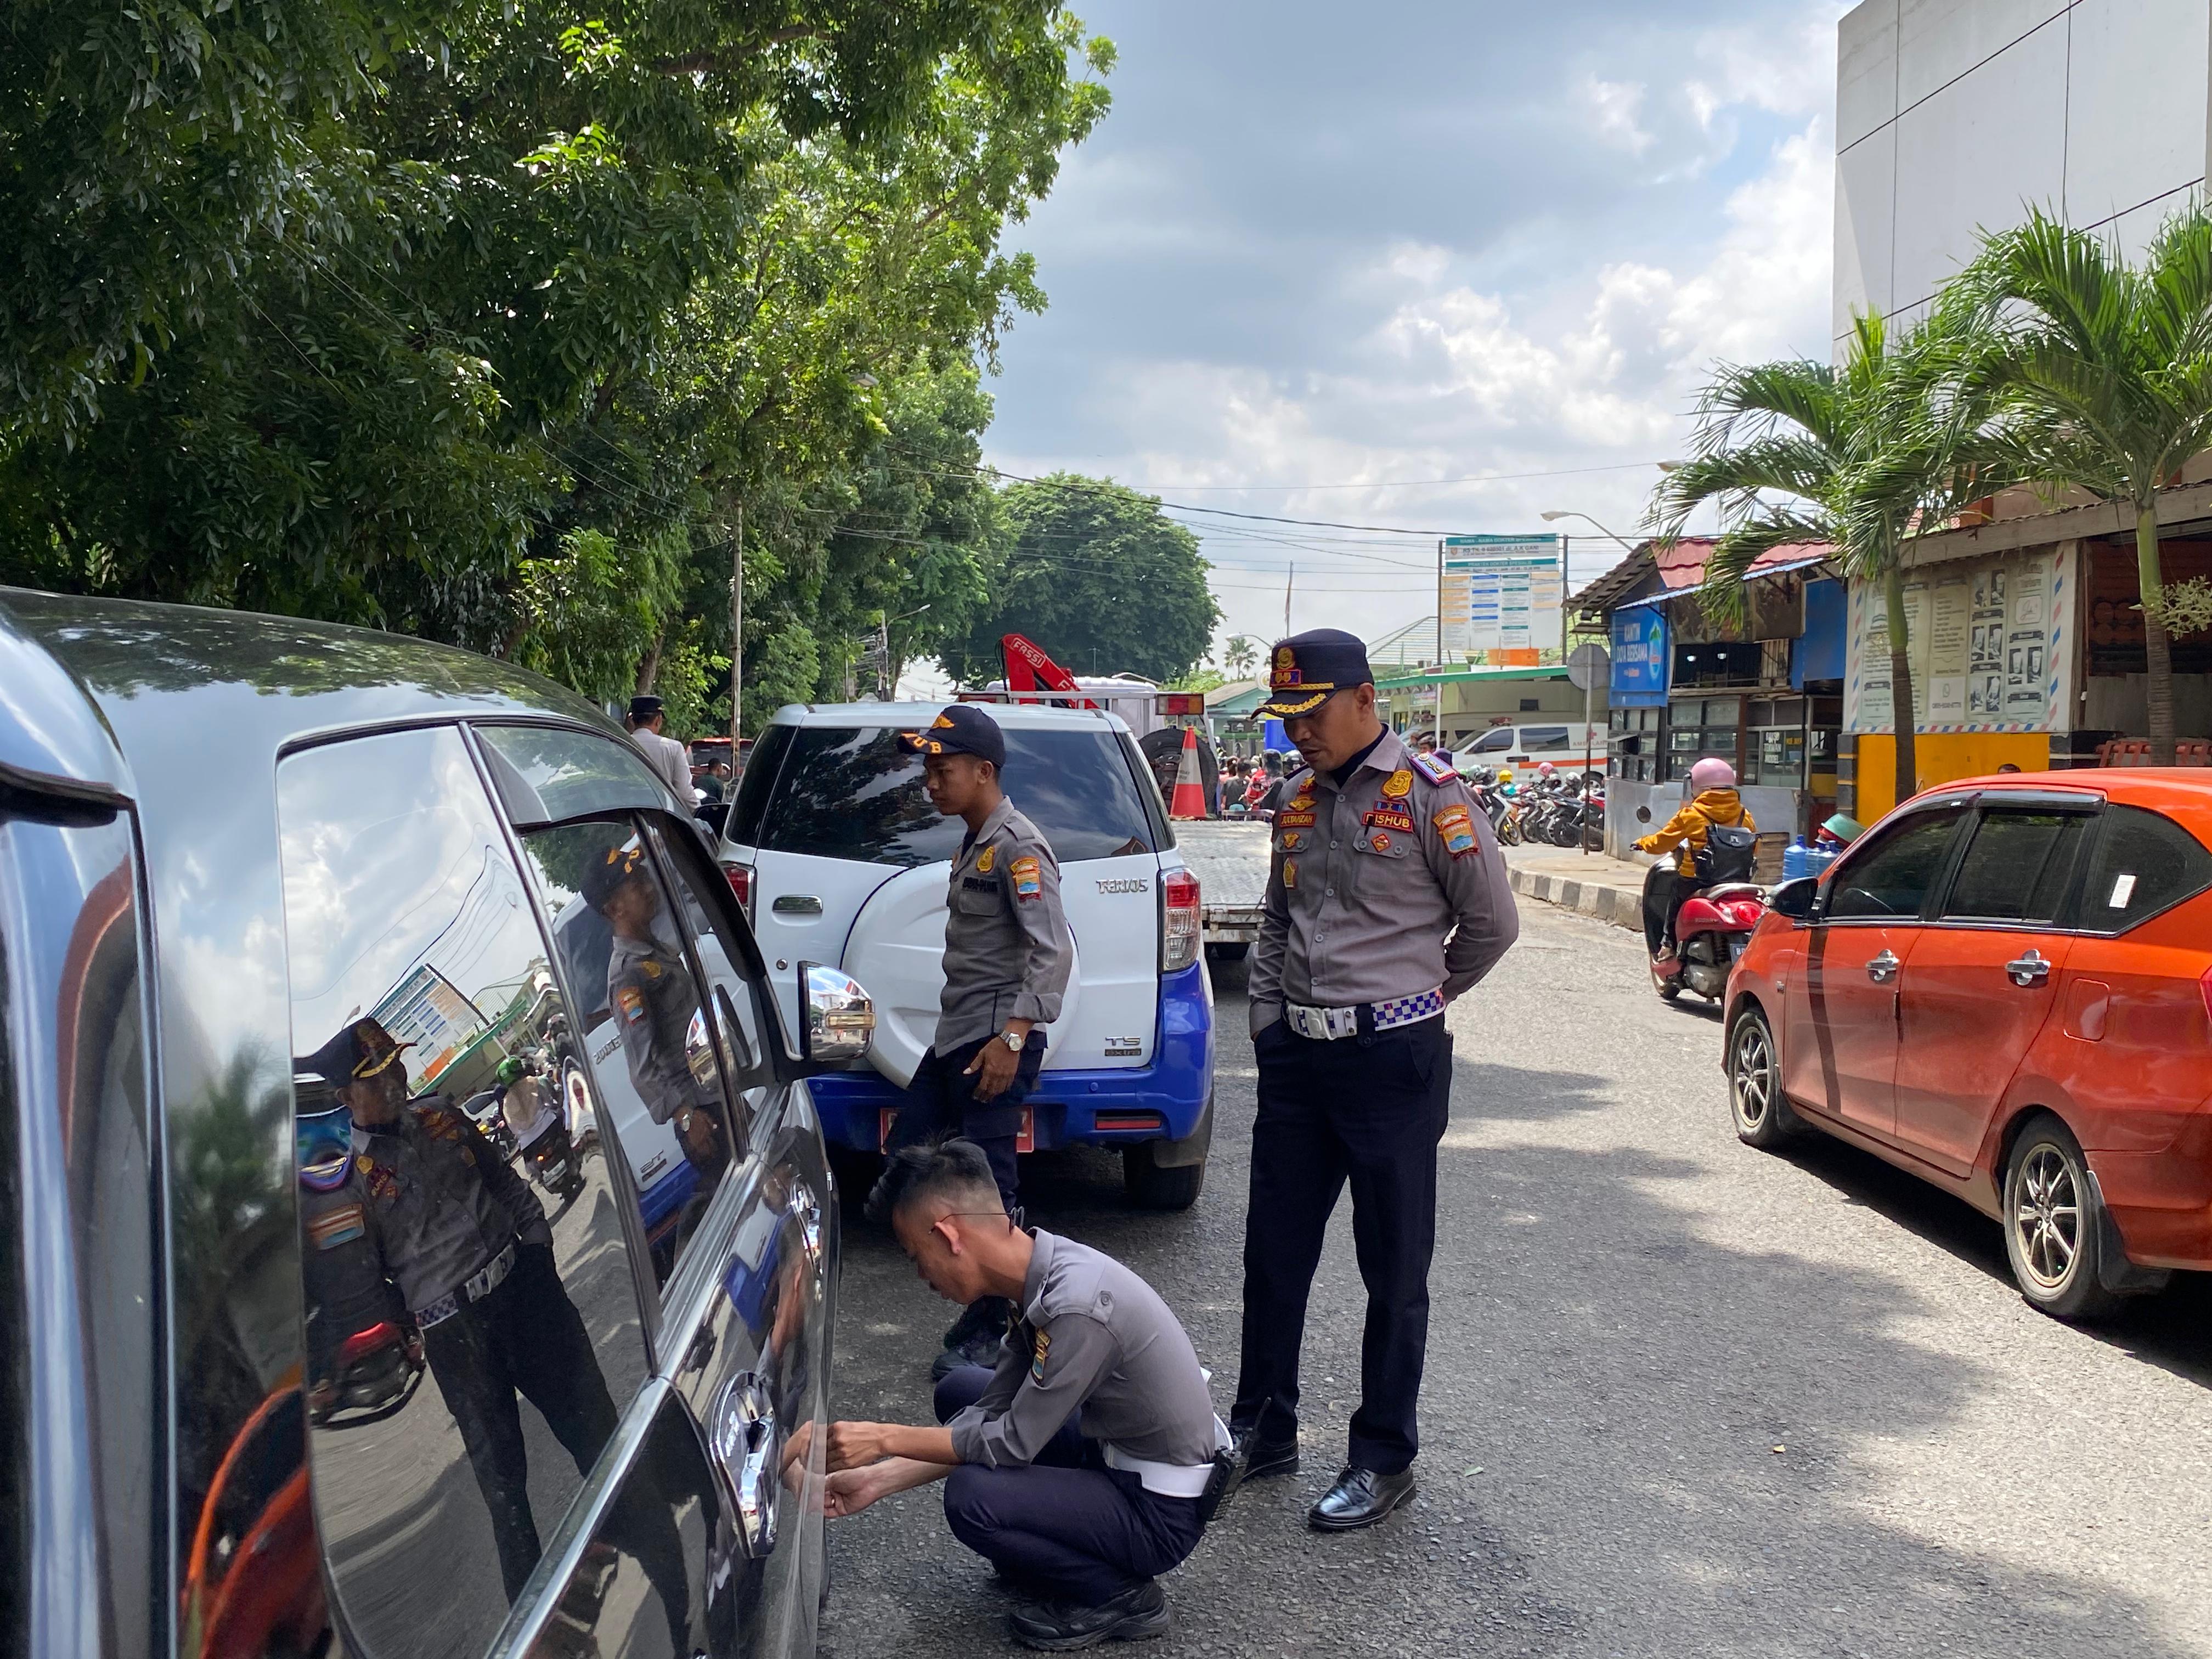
(978, 884)
(1294, 820)
(1385, 819)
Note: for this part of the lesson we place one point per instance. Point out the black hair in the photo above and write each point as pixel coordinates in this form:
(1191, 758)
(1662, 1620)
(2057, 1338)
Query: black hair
(953, 1169)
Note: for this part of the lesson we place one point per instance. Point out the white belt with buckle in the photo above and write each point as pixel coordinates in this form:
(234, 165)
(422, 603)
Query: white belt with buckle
(478, 1285)
(1168, 1479)
(1327, 1024)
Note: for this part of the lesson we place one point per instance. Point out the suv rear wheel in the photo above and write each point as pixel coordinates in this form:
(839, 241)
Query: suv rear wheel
(1154, 1185)
(2054, 1225)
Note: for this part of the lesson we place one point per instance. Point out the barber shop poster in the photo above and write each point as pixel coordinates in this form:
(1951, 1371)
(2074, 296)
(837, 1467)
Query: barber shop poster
(1987, 643)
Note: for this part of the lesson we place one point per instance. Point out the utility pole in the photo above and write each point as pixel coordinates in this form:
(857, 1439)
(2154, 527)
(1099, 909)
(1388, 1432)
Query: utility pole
(1289, 578)
(1440, 618)
(736, 638)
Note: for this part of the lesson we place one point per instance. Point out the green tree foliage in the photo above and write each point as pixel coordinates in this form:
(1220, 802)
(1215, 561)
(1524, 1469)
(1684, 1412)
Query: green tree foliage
(1098, 576)
(1861, 456)
(2105, 371)
(495, 325)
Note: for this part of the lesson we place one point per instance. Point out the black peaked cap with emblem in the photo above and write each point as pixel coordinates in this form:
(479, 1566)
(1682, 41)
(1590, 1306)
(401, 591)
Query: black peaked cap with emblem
(609, 870)
(963, 729)
(361, 1048)
(1306, 669)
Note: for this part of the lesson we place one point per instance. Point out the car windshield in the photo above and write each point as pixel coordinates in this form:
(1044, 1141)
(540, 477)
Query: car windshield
(850, 793)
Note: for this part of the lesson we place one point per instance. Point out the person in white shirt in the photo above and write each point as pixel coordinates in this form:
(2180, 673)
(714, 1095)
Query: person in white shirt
(668, 759)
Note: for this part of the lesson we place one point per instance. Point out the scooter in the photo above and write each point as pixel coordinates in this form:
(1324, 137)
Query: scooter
(1709, 934)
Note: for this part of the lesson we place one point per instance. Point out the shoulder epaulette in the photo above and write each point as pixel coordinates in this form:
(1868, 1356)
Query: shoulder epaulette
(1434, 769)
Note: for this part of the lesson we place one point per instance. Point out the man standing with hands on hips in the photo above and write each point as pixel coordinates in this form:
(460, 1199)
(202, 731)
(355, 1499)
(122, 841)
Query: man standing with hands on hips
(1007, 956)
(1387, 898)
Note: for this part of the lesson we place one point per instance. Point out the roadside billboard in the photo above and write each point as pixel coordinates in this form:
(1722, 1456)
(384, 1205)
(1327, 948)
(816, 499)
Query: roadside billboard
(1501, 596)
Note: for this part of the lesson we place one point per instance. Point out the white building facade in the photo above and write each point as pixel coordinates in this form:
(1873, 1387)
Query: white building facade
(1955, 116)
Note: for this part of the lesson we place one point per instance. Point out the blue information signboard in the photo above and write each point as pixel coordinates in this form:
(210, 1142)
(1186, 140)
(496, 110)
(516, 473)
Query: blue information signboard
(1639, 656)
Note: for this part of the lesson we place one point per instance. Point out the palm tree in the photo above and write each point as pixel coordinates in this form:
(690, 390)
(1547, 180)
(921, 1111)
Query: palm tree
(1861, 456)
(2105, 375)
(1242, 653)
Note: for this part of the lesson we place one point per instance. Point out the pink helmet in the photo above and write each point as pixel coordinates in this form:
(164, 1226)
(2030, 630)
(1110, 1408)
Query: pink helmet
(1712, 772)
(1546, 769)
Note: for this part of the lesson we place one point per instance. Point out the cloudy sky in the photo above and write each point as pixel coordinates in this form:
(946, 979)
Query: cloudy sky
(1322, 256)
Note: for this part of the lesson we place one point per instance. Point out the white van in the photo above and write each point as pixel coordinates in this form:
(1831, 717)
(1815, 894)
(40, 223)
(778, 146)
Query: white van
(1563, 743)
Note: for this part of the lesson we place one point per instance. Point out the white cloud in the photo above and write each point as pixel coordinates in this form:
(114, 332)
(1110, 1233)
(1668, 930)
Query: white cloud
(1614, 106)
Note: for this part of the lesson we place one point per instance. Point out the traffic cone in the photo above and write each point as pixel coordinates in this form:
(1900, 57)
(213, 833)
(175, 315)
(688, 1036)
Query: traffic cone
(1189, 798)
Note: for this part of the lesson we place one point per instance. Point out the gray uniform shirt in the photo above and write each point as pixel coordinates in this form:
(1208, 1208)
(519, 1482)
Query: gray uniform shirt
(1095, 1339)
(437, 1201)
(1389, 887)
(670, 760)
(1007, 950)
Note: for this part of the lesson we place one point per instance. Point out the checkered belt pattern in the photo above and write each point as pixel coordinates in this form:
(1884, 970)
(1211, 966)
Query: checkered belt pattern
(1326, 1024)
(479, 1286)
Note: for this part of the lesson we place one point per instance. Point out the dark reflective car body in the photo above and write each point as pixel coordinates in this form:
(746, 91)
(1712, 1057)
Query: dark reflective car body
(168, 1490)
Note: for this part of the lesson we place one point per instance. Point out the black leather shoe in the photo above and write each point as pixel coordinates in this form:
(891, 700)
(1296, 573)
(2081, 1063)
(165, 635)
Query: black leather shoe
(1257, 1459)
(1134, 1616)
(985, 1317)
(1360, 1497)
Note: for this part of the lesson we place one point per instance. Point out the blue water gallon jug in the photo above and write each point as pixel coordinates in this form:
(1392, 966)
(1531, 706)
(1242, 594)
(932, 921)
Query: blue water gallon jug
(1818, 858)
(1793, 859)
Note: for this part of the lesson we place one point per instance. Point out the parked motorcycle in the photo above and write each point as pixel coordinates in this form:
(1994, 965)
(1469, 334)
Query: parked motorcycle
(482, 1110)
(1710, 934)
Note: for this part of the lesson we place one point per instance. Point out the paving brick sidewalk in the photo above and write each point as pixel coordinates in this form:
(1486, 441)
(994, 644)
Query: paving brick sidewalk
(1589, 883)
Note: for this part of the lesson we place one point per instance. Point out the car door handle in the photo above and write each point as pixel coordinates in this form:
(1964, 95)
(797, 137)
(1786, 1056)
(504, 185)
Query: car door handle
(797, 904)
(1883, 968)
(748, 1450)
(2028, 970)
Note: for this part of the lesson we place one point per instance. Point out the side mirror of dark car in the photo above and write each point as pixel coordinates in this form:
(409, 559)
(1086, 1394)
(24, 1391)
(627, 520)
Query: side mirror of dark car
(1795, 899)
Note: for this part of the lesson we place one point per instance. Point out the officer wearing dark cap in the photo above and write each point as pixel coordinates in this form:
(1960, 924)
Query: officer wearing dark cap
(1007, 953)
(465, 1244)
(653, 999)
(666, 756)
(1386, 898)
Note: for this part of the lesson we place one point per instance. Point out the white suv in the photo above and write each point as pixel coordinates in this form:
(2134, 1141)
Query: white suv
(840, 859)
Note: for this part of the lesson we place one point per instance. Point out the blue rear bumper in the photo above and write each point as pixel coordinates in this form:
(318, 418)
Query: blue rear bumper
(1166, 1099)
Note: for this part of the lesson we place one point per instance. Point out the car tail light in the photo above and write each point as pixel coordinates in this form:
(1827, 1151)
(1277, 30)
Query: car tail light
(741, 883)
(1179, 921)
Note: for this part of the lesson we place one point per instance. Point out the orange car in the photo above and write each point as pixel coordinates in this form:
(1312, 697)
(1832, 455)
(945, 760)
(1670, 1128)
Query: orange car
(2005, 987)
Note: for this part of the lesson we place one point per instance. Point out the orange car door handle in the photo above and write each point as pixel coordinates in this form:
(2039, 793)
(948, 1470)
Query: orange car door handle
(1883, 968)
(2027, 970)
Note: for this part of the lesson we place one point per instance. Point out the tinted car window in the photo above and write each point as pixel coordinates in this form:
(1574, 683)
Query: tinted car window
(425, 1245)
(1540, 738)
(2018, 868)
(1890, 880)
(2144, 862)
(848, 792)
(761, 768)
(547, 772)
(1495, 742)
(651, 1023)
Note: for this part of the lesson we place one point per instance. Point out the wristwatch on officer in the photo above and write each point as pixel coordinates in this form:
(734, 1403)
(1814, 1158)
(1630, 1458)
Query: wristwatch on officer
(1011, 1039)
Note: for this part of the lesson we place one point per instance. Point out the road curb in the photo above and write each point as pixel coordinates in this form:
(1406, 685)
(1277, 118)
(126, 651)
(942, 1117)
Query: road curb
(1589, 898)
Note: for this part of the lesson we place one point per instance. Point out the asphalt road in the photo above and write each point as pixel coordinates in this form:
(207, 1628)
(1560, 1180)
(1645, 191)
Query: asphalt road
(1682, 1398)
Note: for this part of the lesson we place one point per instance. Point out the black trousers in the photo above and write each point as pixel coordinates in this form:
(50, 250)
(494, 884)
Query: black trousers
(941, 1102)
(1366, 1111)
(527, 1338)
(1066, 1527)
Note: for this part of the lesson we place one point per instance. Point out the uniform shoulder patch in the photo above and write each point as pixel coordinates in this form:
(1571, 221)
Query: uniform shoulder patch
(1434, 769)
(630, 1001)
(1038, 1353)
(1456, 827)
(340, 1224)
(1029, 882)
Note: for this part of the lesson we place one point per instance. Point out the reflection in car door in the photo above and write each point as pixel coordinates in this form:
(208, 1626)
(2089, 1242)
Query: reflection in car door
(1840, 1055)
(752, 1365)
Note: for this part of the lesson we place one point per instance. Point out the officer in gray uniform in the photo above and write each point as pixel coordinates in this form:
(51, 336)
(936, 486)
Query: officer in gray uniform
(1088, 1459)
(1387, 898)
(653, 999)
(466, 1243)
(1007, 954)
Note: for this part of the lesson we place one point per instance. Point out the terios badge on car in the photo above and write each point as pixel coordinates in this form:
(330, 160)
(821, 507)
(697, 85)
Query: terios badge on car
(2005, 987)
